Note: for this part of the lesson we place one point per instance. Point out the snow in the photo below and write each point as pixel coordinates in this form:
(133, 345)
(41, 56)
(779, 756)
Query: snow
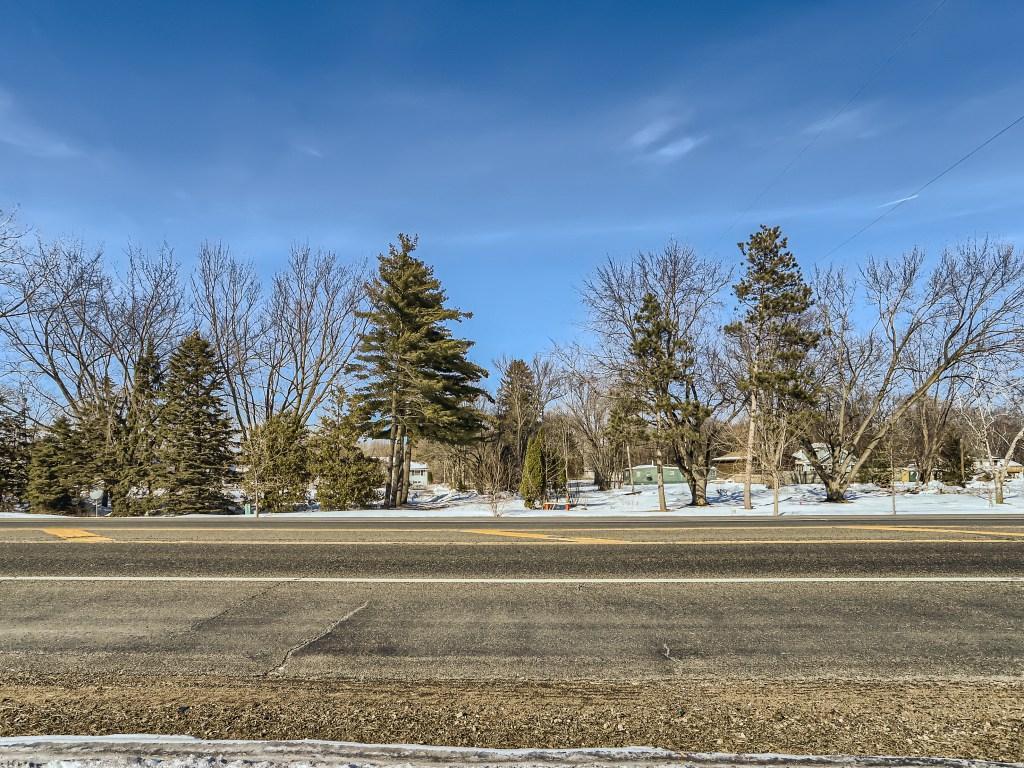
(725, 500)
(188, 752)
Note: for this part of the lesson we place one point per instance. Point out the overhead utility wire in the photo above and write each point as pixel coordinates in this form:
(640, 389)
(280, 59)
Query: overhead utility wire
(927, 184)
(828, 123)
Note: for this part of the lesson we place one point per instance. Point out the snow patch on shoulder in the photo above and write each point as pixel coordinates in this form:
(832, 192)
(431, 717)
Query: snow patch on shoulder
(155, 751)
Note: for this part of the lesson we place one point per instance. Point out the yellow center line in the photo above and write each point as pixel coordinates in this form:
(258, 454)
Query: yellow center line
(545, 536)
(930, 529)
(532, 539)
(77, 535)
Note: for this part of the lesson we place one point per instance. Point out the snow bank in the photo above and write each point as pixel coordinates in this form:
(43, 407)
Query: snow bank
(187, 752)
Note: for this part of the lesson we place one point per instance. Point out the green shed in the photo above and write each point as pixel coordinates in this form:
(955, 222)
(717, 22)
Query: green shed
(647, 474)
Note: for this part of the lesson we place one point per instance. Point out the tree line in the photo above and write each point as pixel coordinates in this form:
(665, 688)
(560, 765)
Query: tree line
(174, 393)
(906, 360)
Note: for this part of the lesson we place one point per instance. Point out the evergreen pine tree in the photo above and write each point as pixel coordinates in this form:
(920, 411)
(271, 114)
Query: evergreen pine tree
(517, 408)
(416, 380)
(346, 478)
(955, 461)
(665, 374)
(137, 478)
(49, 490)
(195, 433)
(772, 332)
(14, 453)
(275, 458)
(531, 488)
(91, 458)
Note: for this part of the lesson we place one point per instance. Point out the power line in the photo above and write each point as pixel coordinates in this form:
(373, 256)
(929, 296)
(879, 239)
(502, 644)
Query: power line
(927, 184)
(828, 123)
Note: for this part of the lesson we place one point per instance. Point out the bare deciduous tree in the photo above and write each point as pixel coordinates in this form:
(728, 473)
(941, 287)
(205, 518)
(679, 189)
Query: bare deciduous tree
(925, 325)
(285, 351)
(80, 331)
(991, 405)
(688, 291)
(587, 403)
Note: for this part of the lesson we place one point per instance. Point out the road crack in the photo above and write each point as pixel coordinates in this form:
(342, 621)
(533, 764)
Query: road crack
(201, 623)
(279, 669)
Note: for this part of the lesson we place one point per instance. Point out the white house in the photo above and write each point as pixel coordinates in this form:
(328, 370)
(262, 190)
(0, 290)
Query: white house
(803, 469)
(419, 475)
(1011, 469)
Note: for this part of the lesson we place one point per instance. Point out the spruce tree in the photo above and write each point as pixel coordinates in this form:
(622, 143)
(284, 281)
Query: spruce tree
(517, 409)
(195, 433)
(531, 488)
(416, 380)
(954, 461)
(14, 453)
(665, 373)
(49, 490)
(137, 479)
(346, 478)
(274, 455)
(772, 333)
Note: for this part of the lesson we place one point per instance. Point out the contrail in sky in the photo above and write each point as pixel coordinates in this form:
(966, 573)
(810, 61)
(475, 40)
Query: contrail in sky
(901, 200)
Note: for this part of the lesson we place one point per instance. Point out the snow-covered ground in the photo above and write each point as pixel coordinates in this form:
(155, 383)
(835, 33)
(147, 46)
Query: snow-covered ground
(147, 751)
(725, 500)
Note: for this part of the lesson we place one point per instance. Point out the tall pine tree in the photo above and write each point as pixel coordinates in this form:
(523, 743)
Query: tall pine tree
(518, 412)
(134, 493)
(50, 489)
(416, 380)
(14, 452)
(195, 433)
(774, 337)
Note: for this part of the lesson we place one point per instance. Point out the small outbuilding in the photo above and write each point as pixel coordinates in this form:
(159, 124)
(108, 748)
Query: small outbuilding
(647, 474)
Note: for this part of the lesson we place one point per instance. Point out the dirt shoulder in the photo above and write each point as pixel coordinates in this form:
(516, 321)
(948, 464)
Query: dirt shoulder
(980, 720)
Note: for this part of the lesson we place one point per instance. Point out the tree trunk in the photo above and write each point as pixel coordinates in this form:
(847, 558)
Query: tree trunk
(698, 482)
(394, 468)
(892, 475)
(835, 490)
(749, 469)
(998, 479)
(406, 471)
(775, 495)
(629, 459)
(662, 504)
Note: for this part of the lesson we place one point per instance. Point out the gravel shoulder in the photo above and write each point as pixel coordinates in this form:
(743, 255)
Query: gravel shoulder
(977, 720)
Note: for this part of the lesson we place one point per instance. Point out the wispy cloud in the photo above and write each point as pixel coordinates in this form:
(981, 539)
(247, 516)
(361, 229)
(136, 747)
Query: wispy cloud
(653, 132)
(679, 147)
(18, 130)
(664, 140)
(309, 151)
(855, 122)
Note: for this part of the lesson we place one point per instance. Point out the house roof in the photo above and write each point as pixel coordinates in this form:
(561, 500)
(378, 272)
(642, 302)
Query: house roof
(823, 454)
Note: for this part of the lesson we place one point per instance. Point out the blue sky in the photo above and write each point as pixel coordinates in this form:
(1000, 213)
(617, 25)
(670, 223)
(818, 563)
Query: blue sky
(524, 142)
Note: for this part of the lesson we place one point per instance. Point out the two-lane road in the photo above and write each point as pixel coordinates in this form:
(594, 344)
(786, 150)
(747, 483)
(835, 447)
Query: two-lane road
(696, 611)
(608, 599)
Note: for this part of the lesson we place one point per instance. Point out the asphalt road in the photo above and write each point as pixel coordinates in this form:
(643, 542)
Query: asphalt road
(868, 635)
(592, 599)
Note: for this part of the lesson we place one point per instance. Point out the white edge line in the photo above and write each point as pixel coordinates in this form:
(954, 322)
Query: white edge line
(565, 580)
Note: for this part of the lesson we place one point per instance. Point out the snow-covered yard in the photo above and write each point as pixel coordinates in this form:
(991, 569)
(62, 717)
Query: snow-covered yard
(725, 500)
